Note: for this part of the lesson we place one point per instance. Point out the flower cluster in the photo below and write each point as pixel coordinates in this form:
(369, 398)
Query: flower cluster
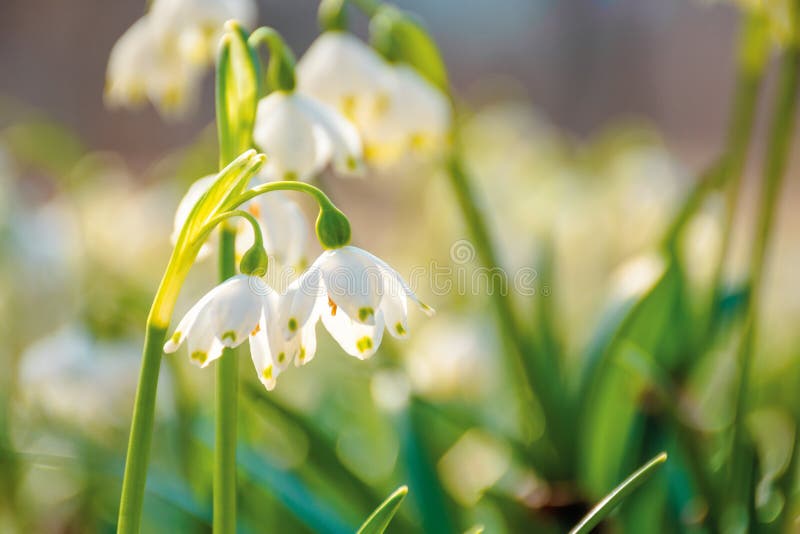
(355, 294)
(163, 55)
(344, 105)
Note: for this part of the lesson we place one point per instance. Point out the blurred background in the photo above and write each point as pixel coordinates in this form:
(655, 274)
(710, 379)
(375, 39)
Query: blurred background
(586, 125)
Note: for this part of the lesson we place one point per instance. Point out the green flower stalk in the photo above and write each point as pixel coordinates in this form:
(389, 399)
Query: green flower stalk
(779, 142)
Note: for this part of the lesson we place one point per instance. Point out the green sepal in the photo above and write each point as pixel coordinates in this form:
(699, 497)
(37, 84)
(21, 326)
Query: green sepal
(332, 15)
(399, 37)
(333, 228)
(255, 261)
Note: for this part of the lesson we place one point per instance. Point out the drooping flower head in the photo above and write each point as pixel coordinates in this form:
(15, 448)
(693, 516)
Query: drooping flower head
(163, 55)
(301, 135)
(396, 110)
(223, 317)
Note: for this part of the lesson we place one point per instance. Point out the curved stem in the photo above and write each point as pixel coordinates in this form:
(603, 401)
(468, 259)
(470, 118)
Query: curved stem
(321, 198)
(206, 230)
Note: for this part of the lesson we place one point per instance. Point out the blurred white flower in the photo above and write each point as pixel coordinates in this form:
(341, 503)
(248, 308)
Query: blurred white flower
(197, 25)
(163, 55)
(69, 376)
(452, 357)
(396, 110)
(301, 135)
(223, 317)
(283, 227)
(144, 66)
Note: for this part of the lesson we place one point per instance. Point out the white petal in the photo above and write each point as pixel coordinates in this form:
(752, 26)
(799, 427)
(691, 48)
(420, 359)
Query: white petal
(186, 324)
(353, 282)
(285, 134)
(236, 308)
(344, 138)
(301, 303)
(393, 280)
(308, 343)
(261, 353)
(356, 339)
(339, 69)
(126, 79)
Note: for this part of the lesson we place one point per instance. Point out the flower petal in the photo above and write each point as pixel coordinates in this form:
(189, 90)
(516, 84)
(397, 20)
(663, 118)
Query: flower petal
(353, 282)
(356, 339)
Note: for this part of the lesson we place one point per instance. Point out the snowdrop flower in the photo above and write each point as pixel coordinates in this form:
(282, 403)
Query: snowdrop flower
(162, 56)
(360, 294)
(143, 66)
(223, 317)
(284, 229)
(197, 25)
(301, 135)
(395, 109)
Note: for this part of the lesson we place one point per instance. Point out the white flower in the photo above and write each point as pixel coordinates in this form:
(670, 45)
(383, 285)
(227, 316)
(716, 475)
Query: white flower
(300, 136)
(197, 25)
(283, 227)
(360, 294)
(143, 66)
(412, 117)
(162, 56)
(395, 109)
(223, 317)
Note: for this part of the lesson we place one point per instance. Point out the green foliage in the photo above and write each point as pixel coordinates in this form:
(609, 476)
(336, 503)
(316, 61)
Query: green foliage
(379, 520)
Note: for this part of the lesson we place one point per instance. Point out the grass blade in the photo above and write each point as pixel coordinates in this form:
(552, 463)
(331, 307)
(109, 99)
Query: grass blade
(604, 507)
(377, 522)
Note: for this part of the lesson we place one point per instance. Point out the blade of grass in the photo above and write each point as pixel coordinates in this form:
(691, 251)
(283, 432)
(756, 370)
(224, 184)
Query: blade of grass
(613, 499)
(377, 522)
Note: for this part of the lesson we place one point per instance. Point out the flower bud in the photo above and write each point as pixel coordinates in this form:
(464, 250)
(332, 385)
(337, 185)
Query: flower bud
(333, 228)
(332, 15)
(255, 261)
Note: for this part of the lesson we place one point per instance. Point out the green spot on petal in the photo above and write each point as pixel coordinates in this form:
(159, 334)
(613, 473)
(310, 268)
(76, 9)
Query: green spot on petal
(400, 329)
(364, 313)
(290, 176)
(230, 334)
(281, 357)
(176, 337)
(292, 324)
(199, 356)
(352, 163)
(364, 344)
(267, 373)
(302, 355)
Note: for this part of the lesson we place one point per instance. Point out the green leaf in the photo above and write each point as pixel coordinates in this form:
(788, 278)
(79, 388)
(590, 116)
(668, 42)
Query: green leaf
(377, 522)
(605, 506)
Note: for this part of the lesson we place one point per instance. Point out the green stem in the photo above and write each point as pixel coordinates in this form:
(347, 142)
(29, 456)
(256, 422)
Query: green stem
(537, 372)
(135, 476)
(133, 482)
(226, 411)
(368, 7)
(753, 55)
(321, 198)
(780, 137)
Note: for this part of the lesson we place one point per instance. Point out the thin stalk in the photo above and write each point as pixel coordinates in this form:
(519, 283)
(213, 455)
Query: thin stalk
(135, 476)
(536, 372)
(226, 412)
(780, 137)
(133, 482)
(753, 55)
